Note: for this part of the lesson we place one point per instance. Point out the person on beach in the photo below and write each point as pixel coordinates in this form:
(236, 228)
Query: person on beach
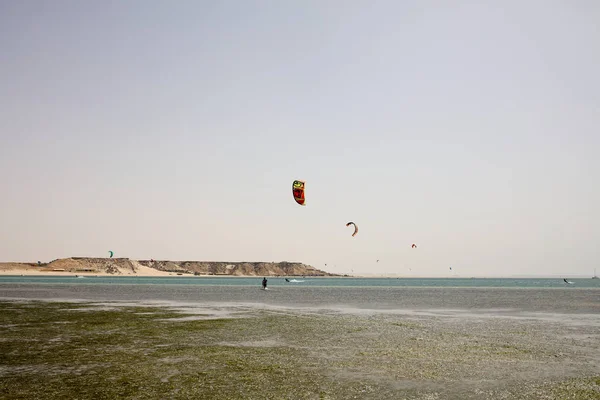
(264, 283)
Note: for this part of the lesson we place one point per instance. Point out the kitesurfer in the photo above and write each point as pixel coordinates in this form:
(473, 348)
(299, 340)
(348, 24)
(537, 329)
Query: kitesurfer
(264, 283)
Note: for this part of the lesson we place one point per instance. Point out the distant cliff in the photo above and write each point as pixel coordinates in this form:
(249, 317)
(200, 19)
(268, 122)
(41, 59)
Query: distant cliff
(283, 268)
(125, 266)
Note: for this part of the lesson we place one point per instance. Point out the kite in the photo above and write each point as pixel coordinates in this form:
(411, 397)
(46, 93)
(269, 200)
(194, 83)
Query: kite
(355, 227)
(414, 246)
(298, 192)
(111, 253)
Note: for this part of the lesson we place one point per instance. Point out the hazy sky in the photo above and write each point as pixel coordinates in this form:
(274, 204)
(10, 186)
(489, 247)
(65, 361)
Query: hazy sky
(174, 130)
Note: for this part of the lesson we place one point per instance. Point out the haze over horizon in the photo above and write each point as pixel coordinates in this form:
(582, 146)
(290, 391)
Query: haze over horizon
(174, 131)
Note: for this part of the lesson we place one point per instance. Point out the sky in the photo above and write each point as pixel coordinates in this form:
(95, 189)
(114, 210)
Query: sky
(174, 130)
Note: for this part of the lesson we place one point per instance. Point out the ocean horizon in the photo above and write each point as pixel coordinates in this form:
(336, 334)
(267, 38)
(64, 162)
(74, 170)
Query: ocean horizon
(296, 281)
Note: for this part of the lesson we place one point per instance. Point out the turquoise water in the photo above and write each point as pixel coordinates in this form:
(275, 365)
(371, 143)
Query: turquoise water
(311, 282)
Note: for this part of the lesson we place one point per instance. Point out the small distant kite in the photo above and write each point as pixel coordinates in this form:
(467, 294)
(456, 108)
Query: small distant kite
(414, 246)
(111, 253)
(298, 192)
(355, 227)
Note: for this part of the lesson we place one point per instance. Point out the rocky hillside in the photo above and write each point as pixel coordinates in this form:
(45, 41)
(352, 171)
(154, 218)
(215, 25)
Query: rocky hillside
(125, 266)
(235, 268)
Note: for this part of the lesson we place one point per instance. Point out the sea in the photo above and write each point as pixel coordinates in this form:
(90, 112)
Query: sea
(307, 281)
(497, 295)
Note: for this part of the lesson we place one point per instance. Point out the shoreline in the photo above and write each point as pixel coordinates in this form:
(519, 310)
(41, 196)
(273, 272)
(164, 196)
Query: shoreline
(86, 266)
(150, 272)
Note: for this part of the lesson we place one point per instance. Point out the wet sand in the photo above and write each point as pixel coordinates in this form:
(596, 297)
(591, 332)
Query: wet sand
(240, 342)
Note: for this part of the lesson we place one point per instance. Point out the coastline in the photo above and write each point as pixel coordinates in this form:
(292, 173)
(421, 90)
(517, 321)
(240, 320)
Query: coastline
(36, 271)
(116, 267)
(88, 266)
(151, 272)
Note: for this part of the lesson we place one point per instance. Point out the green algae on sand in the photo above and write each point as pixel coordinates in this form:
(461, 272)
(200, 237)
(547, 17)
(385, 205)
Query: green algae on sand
(52, 350)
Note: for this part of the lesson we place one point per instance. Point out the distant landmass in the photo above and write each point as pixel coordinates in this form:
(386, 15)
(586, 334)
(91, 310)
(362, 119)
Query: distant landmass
(125, 266)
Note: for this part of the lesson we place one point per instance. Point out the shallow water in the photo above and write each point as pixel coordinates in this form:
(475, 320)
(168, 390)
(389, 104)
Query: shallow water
(556, 300)
(332, 353)
(309, 281)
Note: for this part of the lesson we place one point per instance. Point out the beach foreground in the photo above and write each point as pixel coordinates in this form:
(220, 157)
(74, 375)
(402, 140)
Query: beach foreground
(152, 350)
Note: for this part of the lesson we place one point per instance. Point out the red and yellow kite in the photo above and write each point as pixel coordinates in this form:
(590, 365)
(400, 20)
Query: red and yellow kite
(298, 192)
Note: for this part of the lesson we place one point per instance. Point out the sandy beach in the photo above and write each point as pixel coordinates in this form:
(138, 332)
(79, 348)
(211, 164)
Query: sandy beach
(19, 269)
